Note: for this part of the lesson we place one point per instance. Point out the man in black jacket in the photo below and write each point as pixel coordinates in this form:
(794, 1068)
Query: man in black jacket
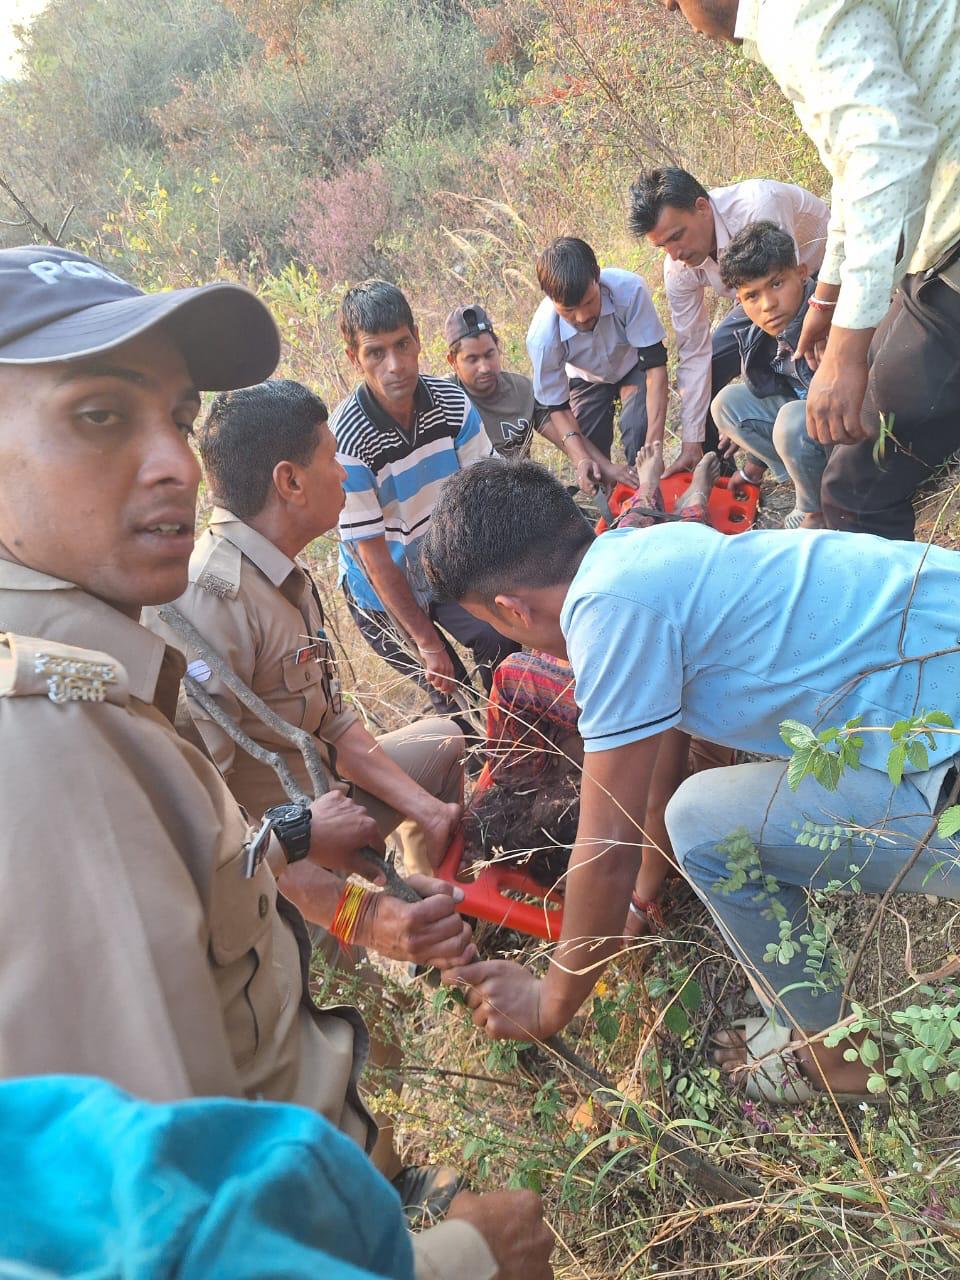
(765, 414)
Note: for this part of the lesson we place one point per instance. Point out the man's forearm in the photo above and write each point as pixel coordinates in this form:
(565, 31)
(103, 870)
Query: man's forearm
(603, 868)
(560, 425)
(598, 887)
(656, 404)
(563, 432)
(362, 760)
(394, 590)
(312, 889)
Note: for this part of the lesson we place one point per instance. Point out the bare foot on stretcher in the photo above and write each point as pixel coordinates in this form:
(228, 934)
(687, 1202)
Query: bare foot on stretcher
(646, 497)
(649, 468)
(694, 501)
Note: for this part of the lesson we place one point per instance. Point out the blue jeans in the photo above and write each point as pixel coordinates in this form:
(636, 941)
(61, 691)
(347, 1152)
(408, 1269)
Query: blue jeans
(773, 430)
(709, 806)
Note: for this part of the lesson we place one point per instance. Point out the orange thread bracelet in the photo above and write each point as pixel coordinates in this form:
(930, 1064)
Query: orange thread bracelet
(348, 913)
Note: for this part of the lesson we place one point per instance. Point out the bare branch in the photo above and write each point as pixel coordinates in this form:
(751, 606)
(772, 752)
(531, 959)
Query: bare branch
(30, 219)
(304, 742)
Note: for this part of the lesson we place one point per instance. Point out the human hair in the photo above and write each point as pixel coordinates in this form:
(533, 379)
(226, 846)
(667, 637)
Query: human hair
(247, 432)
(566, 269)
(499, 525)
(454, 348)
(758, 250)
(375, 306)
(656, 189)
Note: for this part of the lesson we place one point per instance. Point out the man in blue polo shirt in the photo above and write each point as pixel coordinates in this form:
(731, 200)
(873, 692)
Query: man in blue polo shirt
(399, 437)
(680, 628)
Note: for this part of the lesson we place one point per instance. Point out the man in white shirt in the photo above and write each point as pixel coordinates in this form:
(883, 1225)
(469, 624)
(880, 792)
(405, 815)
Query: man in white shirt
(693, 226)
(595, 339)
(876, 85)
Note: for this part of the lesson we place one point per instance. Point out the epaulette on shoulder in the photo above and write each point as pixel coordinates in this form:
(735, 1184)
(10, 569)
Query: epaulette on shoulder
(215, 566)
(30, 667)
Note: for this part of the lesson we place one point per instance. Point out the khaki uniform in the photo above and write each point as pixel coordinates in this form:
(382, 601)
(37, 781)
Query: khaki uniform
(131, 946)
(259, 610)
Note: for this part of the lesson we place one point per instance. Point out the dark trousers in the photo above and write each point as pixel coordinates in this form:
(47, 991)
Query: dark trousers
(914, 379)
(488, 647)
(725, 365)
(593, 403)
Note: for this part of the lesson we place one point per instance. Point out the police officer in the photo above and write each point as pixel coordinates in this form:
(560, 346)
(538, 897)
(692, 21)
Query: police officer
(134, 946)
(268, 457)
(268, 460)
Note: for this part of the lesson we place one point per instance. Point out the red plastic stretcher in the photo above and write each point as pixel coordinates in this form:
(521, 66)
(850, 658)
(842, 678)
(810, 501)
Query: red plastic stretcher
(727, 512)
(487, 897)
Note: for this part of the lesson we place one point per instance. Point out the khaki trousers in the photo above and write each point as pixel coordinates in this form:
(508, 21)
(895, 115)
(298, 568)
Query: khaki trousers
(430, 751)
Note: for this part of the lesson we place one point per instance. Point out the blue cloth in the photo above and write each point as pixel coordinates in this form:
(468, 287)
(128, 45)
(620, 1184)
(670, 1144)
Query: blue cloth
(726, 637)
(94, 1183)
(710, 805)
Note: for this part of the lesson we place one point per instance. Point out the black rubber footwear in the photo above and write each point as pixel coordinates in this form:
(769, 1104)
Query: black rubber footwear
(426, 1191)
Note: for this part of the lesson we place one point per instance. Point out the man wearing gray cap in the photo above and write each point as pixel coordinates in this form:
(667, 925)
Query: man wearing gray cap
(506, 403)
(140, 943)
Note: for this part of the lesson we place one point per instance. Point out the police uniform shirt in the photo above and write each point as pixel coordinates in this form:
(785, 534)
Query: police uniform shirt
(133, 948)
(510, 414)
(255, 608)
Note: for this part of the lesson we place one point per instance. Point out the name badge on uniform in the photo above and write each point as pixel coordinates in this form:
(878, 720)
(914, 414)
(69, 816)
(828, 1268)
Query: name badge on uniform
(309, 653)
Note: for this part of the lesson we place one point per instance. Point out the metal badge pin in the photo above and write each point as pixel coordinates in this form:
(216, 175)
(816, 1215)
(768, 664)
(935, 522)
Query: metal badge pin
(73, 679)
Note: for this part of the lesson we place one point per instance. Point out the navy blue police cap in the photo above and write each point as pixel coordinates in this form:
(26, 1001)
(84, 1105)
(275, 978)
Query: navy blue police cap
(56, 305)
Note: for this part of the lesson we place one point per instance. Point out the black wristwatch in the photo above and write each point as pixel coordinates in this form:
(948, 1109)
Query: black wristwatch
(291, 822)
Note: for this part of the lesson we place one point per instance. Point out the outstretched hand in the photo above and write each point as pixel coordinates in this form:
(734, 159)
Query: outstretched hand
(511, 1222)
(340, 827)
(836, 395)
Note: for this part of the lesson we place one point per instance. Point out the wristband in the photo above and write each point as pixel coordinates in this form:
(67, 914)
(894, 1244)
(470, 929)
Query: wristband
(746, 479)
(349, 911)
(441, 650)
(648, 910)
(820, 304)
(570, 435)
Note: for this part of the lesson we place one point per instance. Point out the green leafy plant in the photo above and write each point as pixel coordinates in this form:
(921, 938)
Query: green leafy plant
(825, 754)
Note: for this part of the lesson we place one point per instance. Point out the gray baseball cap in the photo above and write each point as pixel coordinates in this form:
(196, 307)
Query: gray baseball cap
(56, 305)
(466, 322)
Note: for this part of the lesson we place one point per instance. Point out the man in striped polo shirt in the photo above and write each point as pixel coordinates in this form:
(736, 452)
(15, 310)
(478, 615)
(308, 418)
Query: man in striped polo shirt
(400, 435)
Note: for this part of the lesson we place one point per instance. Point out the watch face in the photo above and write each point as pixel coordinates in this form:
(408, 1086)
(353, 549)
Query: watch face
(286, 813)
